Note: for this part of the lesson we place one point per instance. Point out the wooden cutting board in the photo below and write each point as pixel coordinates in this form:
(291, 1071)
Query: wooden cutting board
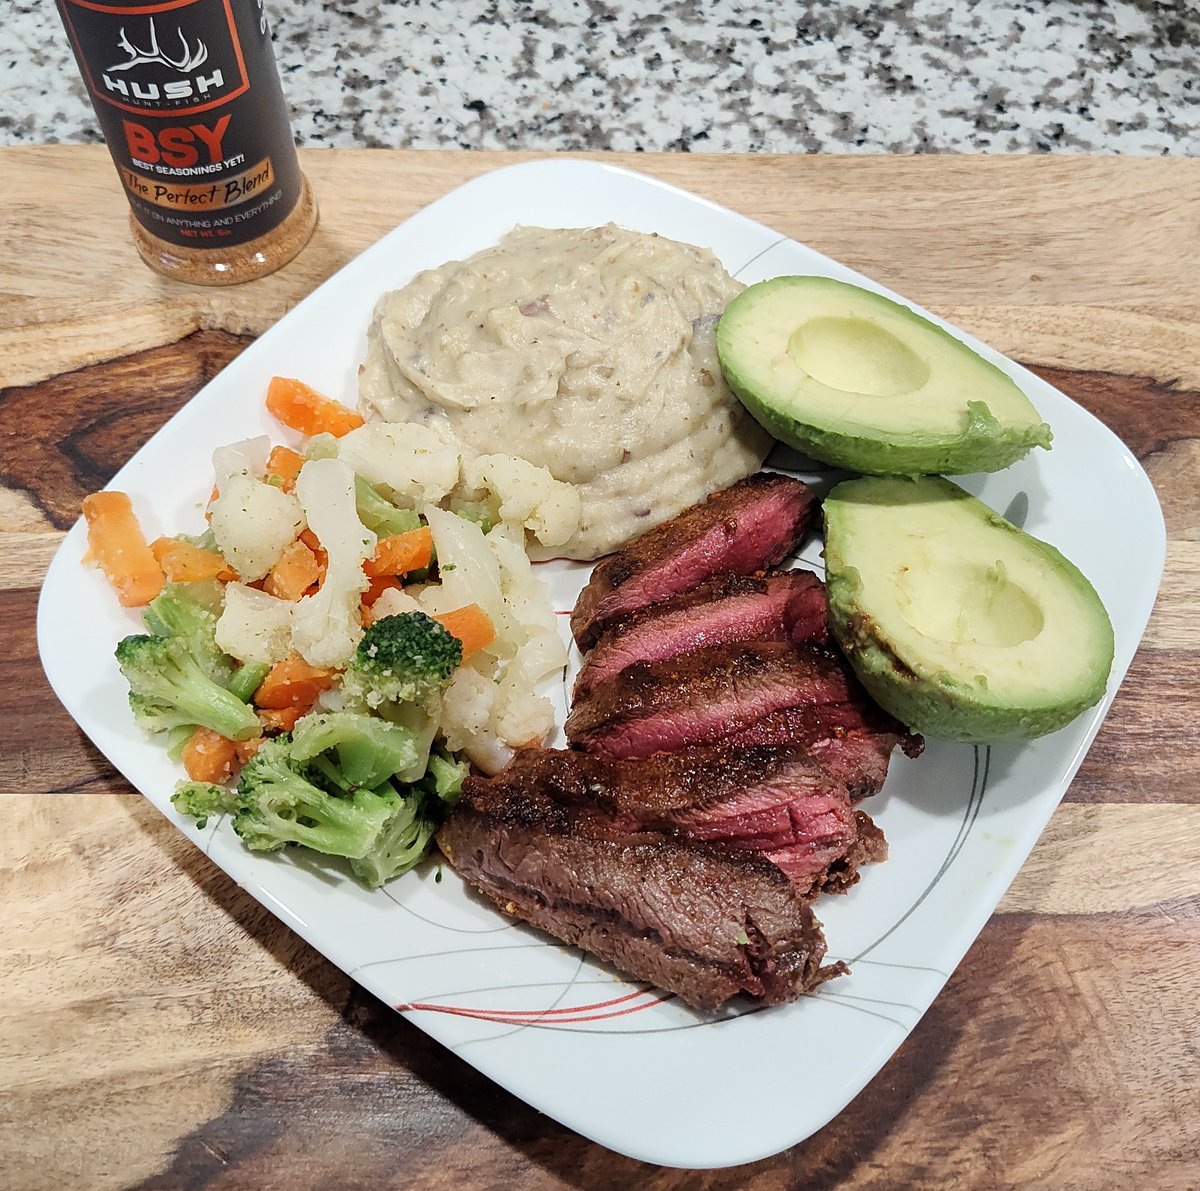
(160, 1029)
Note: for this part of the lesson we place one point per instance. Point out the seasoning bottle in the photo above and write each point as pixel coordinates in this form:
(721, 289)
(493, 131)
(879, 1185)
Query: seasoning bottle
(189, 101)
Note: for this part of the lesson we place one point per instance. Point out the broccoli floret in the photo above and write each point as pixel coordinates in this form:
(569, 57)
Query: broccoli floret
(189, 611)
(279, 803)
(202, 800)
(407, 658)
(285, 796)
(352, 749)
(405, 838)
(168, 687)
(177, 740)
(445, 776)
(155, 716)
(379, 514)
(247, 678)
(401, 844)
(206, 540)
(169, 614)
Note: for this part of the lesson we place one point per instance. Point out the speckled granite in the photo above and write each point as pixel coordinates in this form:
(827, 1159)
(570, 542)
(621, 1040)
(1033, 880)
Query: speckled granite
(928, 75)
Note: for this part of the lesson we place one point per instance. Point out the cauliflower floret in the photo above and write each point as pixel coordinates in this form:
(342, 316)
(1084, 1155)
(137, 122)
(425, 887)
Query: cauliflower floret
(254, 626)
(527, 597)
(491, 707)
(326, 626)
(253, 523)
(470, 574)
(488, 711)
(248, 458)
(333, 699)
(393, 602)
(542, 655)
(519, 717)
(467, 705)
(405, 460)
(530, 497)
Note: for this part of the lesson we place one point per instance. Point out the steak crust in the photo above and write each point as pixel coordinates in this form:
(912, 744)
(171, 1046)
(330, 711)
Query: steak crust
(854, 740)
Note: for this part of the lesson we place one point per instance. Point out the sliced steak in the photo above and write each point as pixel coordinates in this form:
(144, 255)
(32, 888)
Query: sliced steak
(739, 530)
(869, 847)
(786, 606)
(854, 741)
(701, 920)
(704, 696)
(774, 801)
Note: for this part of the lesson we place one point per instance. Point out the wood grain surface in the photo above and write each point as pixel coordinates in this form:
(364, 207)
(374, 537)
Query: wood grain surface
(159, 1029)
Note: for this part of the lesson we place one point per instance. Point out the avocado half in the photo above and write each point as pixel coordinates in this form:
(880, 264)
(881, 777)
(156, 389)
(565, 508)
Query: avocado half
(861, 382)
(957, 622)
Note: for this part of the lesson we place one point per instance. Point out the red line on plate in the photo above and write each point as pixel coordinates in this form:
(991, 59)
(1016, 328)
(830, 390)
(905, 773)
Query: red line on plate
(573, 1008)
(543, 1012)
(555, 1017)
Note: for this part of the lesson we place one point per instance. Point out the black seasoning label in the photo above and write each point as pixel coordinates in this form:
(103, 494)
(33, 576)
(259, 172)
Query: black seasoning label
(188, 98)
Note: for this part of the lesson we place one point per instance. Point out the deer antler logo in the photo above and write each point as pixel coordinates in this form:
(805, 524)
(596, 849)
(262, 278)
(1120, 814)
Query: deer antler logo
(190, 59)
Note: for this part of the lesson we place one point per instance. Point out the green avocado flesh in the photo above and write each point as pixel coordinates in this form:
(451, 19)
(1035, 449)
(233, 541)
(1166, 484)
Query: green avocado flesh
(958, 623)
(861, 382)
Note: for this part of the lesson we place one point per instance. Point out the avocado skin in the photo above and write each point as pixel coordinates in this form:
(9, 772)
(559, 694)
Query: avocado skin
(918, 692)
(982, 446)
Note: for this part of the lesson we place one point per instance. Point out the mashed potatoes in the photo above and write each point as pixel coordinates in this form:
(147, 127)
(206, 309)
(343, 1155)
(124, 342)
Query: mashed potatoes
(591, 353)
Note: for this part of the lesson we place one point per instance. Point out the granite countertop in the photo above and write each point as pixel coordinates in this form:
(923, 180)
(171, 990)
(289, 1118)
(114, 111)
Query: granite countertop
(927, 75)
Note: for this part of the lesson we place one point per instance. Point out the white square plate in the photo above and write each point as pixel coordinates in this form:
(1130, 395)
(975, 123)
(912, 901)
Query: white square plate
(617, 1061)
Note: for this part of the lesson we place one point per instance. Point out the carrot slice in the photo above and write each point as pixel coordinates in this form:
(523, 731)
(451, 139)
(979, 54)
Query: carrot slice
(286, 464)
(313, 542)
(296, 571)
(292, 683)
(471, 625)
(279, 719)
(302, 408)
(379, 584)
(116, 542)
(209, 757)
(182, 562)
(245, 749)
(399, 553)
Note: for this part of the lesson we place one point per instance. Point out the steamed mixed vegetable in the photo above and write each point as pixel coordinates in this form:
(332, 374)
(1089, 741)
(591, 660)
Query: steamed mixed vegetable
(357, 624)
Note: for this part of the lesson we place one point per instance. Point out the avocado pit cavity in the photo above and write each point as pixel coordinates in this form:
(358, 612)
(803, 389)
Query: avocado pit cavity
(965, 603)
(854, 355)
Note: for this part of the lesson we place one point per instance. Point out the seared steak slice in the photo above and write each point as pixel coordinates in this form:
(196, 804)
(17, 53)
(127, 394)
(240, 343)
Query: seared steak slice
(702, 697)
(853, 740)
(774, 801)
(700, 920)
(740, 530)
(618, 902)
(786, 606)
